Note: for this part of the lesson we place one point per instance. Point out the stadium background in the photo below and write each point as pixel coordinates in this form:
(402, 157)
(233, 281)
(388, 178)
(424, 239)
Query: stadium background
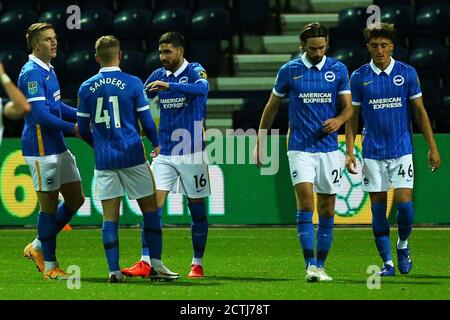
(241, 44)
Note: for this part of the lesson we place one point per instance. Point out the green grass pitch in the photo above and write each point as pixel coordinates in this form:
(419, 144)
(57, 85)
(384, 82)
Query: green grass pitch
(240, 263)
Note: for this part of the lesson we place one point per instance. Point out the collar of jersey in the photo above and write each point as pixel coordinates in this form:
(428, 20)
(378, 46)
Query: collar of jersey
(41, 63)
(109, 69)
(377, 70)
(180, 69)
(309, 65)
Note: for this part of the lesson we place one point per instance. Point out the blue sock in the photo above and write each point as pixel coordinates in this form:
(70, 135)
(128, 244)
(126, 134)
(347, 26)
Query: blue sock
(405, 217)
(63, 216)
(144, 243)
(111, 244)
(46, 225)
(199, 228)
(305, 229)
(324, 239)
(153, 234)
(380, 227)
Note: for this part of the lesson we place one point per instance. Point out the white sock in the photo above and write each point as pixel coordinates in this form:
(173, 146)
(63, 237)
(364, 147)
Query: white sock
(117, 273)
(50, 265)
(198, 261)
(146, 259)
(36, 244)
(389, 262)
(402, 244)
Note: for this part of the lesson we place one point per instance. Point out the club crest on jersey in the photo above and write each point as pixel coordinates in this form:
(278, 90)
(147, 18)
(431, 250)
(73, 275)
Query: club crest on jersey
(398, 80)
(49, 181)
(32, 87)
(330, 76)
(183, 80)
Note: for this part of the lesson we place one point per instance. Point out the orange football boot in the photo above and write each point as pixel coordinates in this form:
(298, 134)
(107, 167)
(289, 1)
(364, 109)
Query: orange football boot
(56, 274)
(139, 269)
(196, 271)
(35, 255)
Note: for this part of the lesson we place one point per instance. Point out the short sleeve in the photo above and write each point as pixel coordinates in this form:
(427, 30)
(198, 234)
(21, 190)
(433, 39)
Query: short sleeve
(343, 81)
(82, 106)
(199, 74)
(141, 103)
(414, 90)
(281, 86)
(355, 89)
(33, 86)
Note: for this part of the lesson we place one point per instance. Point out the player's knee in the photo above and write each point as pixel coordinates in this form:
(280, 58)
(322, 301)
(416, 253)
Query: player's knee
(196, 201)
(325, 209)
(76, 202)
(305, 208)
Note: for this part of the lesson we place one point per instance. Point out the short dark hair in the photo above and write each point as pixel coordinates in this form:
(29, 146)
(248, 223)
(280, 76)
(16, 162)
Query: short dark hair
(380, 30)
(313, 30)
(33, 32)
(173, 38)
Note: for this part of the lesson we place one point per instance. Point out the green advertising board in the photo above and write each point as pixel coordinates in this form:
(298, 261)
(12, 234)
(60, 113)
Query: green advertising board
(240, 194)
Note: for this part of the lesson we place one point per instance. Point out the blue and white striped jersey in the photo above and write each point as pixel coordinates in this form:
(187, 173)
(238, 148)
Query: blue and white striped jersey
(384, 99)
(39, 84)
(111, 100)
(181, 109)
(312, 92)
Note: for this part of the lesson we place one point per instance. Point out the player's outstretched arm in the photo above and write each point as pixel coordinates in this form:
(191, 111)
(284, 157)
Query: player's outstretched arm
(422, 120)
(351, 128)
(68, 113)
(192, 89)
(269, 114)
(47, 120)
(18, 106)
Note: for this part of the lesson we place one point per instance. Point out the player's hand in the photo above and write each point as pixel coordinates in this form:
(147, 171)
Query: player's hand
(350, 163)
(331, 125)
(2, 69)
(257, 155)
(434, 160)
(155, 152)
(157, 86)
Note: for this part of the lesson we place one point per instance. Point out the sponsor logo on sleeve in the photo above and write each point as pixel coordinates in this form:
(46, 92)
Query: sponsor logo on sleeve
(32, 87)
(203, 74)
